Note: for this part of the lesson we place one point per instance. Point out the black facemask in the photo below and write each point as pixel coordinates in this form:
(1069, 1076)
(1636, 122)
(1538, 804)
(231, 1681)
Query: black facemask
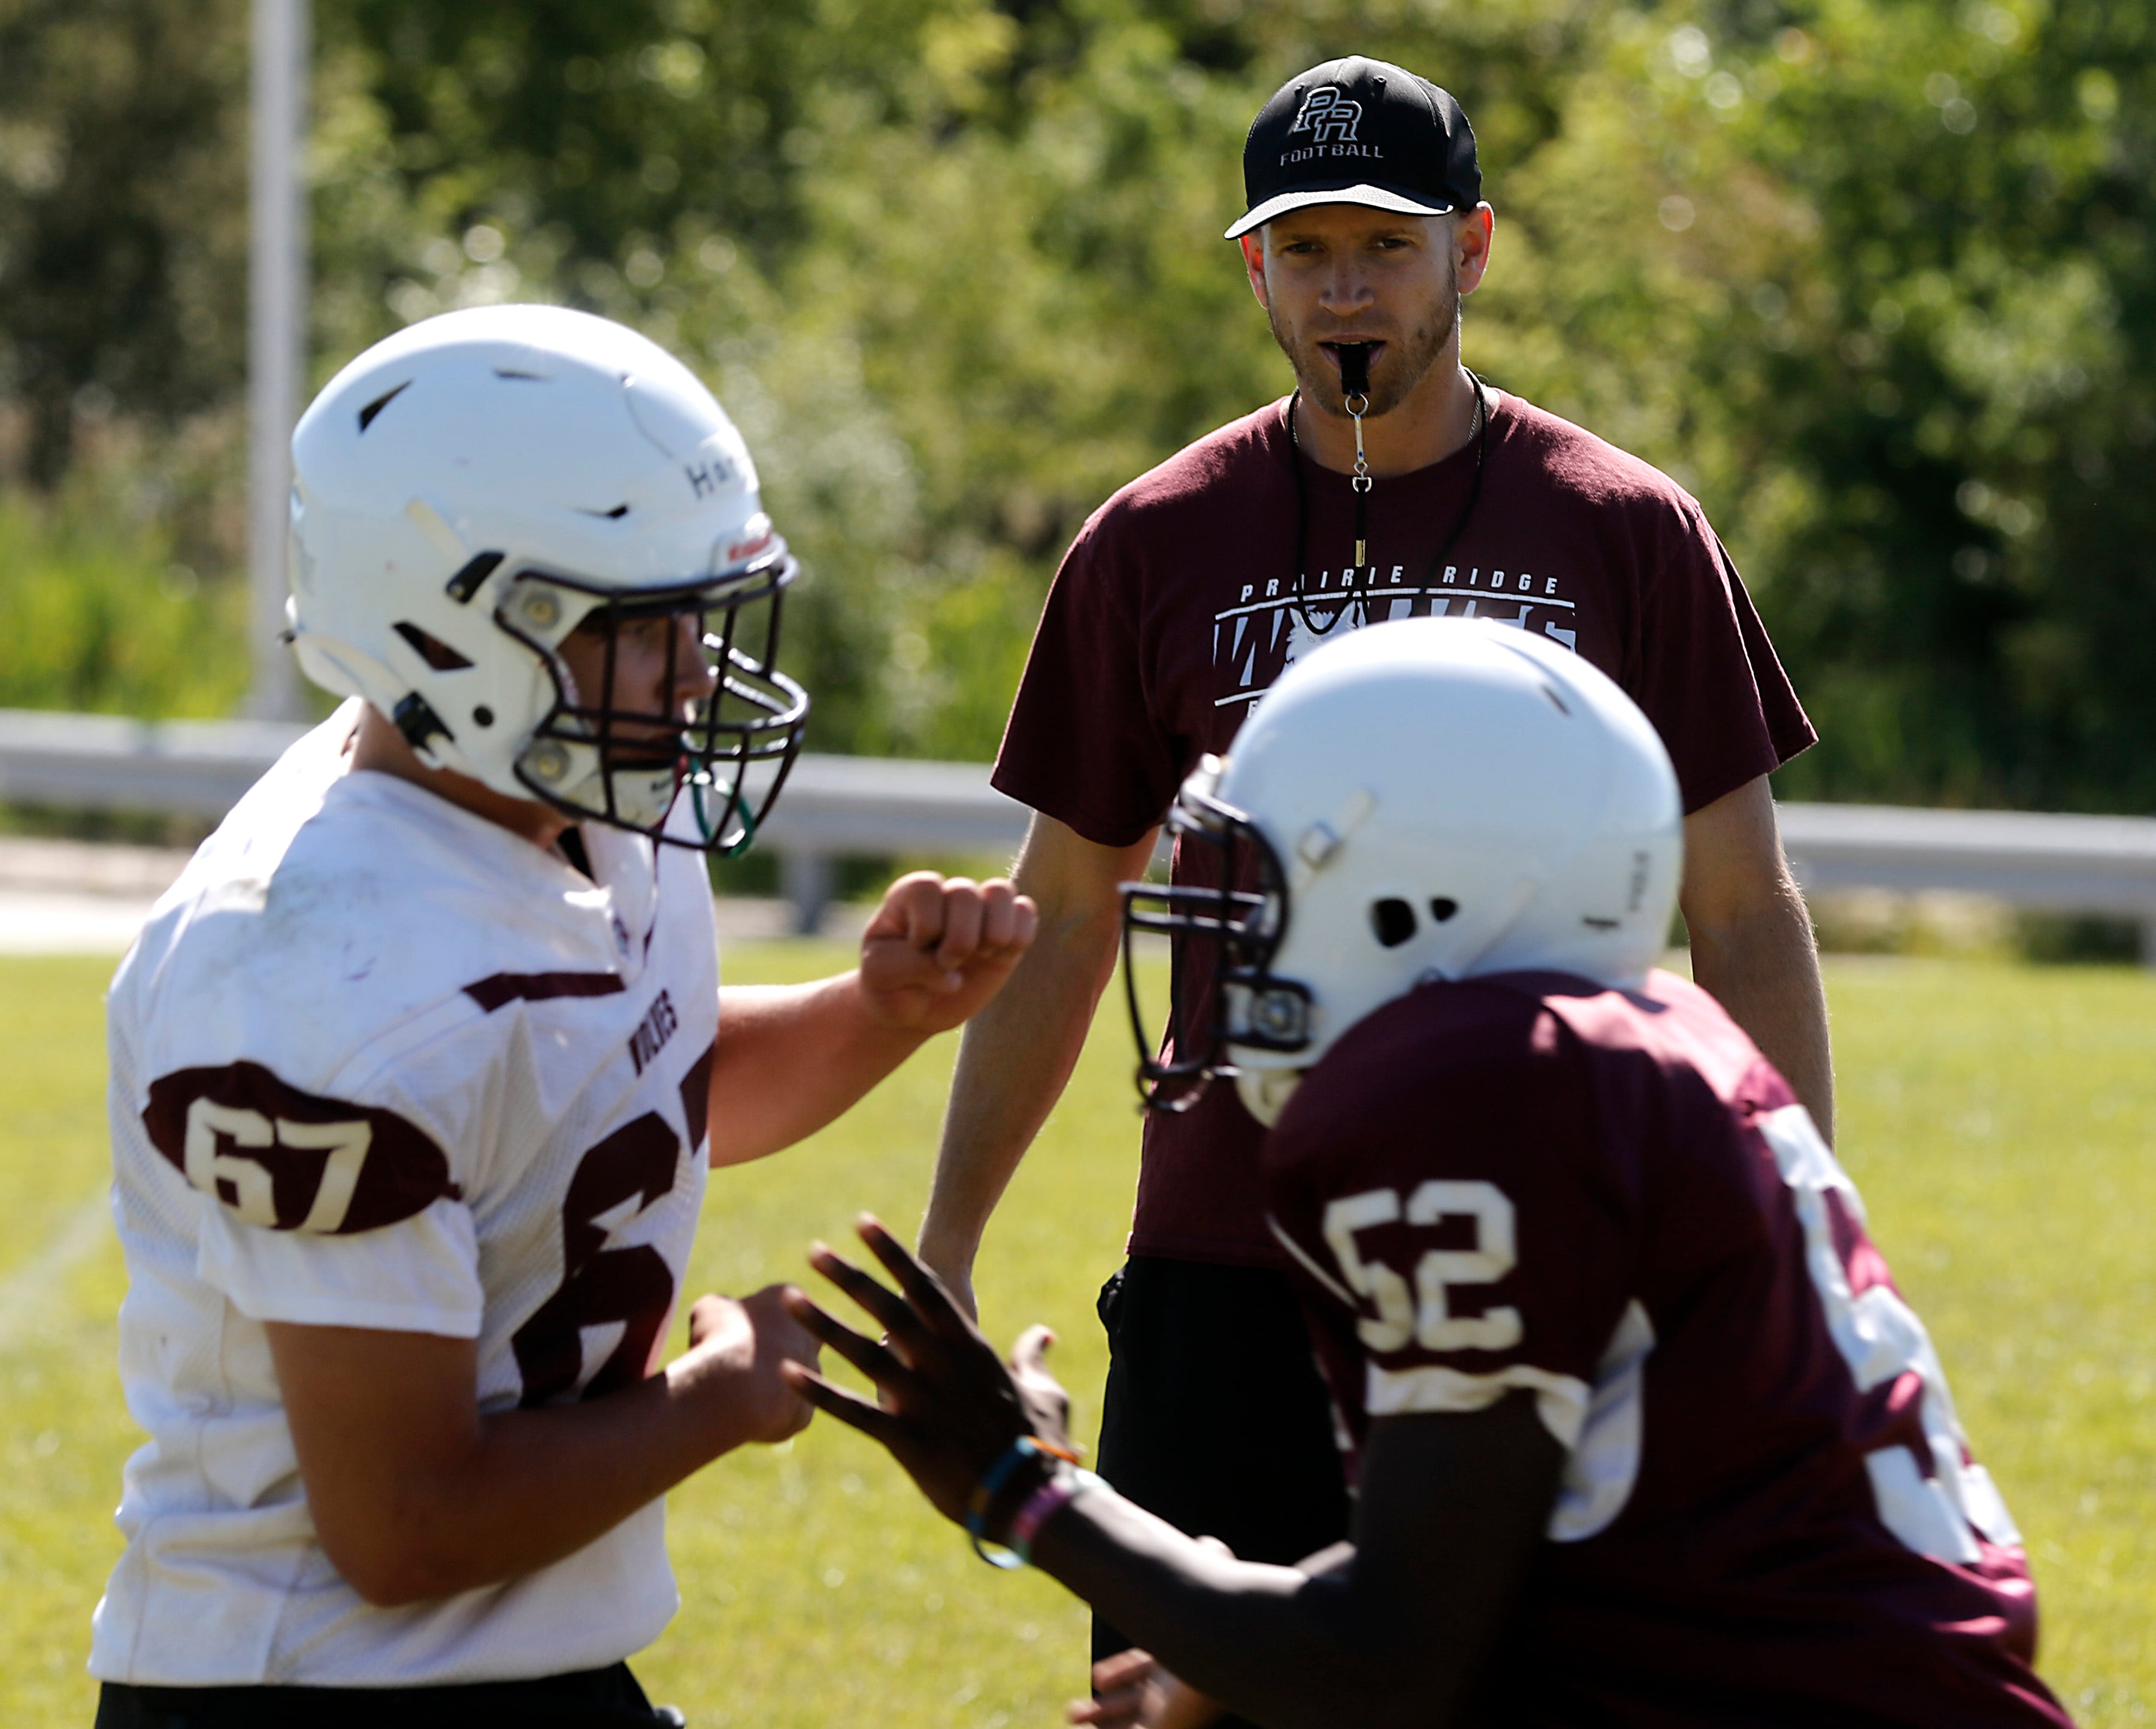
(1222, 939)
(729, 759)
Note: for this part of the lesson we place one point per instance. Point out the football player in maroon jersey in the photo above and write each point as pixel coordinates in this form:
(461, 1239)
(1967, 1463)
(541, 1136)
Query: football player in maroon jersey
(1642, 1430)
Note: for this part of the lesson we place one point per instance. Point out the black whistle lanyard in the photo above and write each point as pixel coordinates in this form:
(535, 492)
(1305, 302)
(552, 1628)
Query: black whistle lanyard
(1356, 591)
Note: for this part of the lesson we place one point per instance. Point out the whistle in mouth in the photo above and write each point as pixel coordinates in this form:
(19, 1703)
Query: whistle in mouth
(1354, 368)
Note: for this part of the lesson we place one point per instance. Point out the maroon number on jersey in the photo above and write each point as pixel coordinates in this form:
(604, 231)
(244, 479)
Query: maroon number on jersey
(288, 1161)
(599, 1285)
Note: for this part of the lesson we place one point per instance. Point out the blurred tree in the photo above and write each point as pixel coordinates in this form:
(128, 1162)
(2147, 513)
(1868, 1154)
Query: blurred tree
(972, 250)
(1975, 586)
(1883, 295)
(1873, 277)
(122, 212)
(102, 614)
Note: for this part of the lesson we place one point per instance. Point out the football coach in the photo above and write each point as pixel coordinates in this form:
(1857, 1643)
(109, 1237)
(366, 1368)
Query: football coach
(1392, 482)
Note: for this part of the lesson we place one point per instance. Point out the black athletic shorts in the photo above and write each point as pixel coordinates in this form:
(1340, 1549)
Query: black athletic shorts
(1215, 1416)
(589, 1699)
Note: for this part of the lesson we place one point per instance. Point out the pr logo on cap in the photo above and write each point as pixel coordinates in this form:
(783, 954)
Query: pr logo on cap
(1329, 117)
(1359, 131)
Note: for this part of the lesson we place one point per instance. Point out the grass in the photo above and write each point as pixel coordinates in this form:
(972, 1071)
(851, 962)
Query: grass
(1999, 1118)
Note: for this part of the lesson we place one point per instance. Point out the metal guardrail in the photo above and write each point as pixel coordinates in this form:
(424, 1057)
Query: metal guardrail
(834, 806)
(838, 806)
(109, 763)
(2046, 863)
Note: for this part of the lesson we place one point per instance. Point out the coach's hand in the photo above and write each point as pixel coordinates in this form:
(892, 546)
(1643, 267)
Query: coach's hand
(949, 1408)
(739, 1350)
(939, 948)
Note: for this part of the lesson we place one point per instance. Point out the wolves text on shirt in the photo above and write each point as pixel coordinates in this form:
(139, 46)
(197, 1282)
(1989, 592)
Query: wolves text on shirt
(651, 1034)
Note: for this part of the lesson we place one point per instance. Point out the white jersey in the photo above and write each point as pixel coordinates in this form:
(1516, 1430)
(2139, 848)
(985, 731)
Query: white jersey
(377, 1062)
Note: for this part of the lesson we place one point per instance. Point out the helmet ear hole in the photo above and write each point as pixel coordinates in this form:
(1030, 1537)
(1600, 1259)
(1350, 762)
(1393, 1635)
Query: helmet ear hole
(431, 648)
(1442, 909)
(1393, 920)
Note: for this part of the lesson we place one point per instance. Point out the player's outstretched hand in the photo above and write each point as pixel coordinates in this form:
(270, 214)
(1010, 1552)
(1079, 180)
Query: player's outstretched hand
(948, 1407)
(939, 948)
(1130, 1690)
(738, 1350)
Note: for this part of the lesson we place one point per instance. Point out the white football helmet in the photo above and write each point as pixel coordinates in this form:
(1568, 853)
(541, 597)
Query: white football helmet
(1433, 799)
(472, 490)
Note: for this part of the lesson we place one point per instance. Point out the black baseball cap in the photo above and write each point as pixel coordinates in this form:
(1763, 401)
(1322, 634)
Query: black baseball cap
(1357, 131)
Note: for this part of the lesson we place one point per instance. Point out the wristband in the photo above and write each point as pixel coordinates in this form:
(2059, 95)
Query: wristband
(1057, 1493)
(1006, 1466)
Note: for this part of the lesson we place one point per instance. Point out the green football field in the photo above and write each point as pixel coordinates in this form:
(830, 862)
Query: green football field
(2000, 1120)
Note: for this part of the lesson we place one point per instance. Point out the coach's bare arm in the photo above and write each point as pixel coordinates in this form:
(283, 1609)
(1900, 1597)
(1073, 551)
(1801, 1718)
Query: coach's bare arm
(793, 1058)
(1752, 944)
(416, 1494)
(1016, 1055)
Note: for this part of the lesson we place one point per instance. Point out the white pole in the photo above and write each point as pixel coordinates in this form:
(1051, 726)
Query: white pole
(276, 335)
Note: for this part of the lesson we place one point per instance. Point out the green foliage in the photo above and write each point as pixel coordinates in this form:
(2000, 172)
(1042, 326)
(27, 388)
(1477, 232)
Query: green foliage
(1865, 275)
(1873, 277)
(1916, 241)
(1997, 1119)
(122, 211)
(100, 613)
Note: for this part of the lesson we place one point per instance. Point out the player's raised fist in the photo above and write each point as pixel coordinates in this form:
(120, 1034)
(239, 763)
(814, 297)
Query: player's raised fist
(939, 948)
(736, 1346)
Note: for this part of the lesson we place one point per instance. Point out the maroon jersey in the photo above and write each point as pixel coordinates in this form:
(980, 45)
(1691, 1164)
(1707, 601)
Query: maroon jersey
(1611, 1200)
(1172, 613)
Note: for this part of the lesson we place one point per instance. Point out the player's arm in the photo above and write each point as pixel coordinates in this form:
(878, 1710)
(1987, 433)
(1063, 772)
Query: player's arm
(1392, 1631)
(1016, 1056)
(415, 1494)
(1752, 944)
(793, 1058)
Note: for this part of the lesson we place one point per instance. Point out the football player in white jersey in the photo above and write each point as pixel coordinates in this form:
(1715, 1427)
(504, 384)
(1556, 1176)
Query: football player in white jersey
(417, 1070)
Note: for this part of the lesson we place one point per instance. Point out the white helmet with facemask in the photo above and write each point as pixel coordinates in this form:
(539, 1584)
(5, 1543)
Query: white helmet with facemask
(471, 490)
(1427, 799)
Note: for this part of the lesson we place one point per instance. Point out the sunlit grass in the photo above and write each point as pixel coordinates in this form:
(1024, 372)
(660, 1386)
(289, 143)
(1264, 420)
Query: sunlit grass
(2000, 1120)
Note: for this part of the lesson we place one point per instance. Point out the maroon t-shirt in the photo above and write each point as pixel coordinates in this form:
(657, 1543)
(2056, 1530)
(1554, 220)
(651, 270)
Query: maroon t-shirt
(1172, 615)
(1611, 1201)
